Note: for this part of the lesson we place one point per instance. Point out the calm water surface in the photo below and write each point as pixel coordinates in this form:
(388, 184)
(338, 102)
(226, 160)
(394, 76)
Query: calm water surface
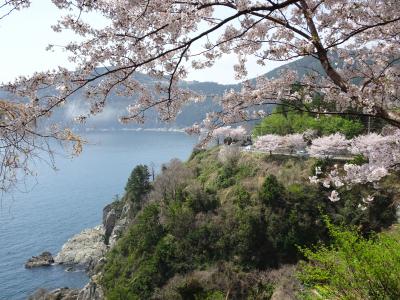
(65, 202)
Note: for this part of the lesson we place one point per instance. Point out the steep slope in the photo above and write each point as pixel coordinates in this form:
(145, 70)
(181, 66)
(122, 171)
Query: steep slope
(219, 226)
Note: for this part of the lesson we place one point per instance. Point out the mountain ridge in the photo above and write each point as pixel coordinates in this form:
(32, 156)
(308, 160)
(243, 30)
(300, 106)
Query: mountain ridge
(191, 113)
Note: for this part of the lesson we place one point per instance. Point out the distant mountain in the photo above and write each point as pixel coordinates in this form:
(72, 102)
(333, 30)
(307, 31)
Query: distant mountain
(116, 106)
(193, 112)
(302, 66)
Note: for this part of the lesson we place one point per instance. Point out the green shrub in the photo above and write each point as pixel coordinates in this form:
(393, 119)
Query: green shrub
(226, 175)
(248, 239)
(323, 163)
(353, 267)
(200, 200)
(359, 159)
(272, 192)
(132, 254)
(296, 221)
(221, 281)
(246, 171)
(261, 291)
(294, 122)
(381, 213)
(197, 152)
(241, 197)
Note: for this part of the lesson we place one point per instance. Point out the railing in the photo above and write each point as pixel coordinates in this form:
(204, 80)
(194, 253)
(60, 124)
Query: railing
(297, 154)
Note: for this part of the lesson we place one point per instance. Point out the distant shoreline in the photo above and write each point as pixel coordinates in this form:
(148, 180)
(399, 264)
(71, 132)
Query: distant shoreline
(162, 129)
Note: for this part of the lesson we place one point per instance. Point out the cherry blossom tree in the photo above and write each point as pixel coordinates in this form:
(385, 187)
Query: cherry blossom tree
(23, 140)
(269, 142)
(8, 6)
(382, 153)
(228, 131)
(329, 146)
(167, 39)
(281, 144)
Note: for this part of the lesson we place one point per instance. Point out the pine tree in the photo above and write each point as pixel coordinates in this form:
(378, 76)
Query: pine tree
(138, 184)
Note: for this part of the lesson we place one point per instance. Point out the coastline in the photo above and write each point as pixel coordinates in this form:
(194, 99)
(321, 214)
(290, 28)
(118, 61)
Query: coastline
(81, 253)
(62, 203)
(86, 251)
(112, 129)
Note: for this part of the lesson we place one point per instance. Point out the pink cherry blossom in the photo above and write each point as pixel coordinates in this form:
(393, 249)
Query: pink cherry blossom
(168, 39)
(329, 146)
(334, 196)
(281, 144)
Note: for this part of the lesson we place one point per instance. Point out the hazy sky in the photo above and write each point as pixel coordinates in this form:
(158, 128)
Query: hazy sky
(25, 34)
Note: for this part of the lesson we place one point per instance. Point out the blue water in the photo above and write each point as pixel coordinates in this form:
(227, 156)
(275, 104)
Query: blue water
(64, 202)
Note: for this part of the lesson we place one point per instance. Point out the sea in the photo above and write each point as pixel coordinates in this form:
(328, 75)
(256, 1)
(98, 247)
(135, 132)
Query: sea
(45, 211)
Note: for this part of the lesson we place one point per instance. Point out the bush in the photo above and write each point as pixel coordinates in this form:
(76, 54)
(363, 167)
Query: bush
(196, 153)
(298, 123)
(170, 184)
(323, 164)
(132, 254)
(249, 243)
(226, 175)
(296, 221)
(241, 197)
(272, 192)
(200, 200)
(359, 159)
(353, 267)
(221, 281)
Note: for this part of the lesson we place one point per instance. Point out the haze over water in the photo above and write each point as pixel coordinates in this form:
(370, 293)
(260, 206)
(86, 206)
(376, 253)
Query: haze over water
(65, 202)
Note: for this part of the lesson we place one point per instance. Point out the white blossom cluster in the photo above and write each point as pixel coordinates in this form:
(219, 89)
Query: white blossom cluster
(228, 131)
(329, 146)
(381, 153)
(280, 144)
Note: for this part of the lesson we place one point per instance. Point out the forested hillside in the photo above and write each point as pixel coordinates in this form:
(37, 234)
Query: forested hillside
(228, 225)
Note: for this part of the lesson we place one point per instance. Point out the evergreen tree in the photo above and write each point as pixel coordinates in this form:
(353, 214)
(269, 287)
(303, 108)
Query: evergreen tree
(272, 192)
(138, 184)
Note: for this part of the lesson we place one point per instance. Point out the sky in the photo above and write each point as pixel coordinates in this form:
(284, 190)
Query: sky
(25, 34)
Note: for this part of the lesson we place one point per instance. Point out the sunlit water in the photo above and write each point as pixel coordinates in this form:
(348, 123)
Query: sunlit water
(64, 202)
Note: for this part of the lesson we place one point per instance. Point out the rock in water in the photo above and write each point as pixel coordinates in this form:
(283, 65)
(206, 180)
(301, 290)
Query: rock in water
(84, 249)
(43, 260)
(58, 294)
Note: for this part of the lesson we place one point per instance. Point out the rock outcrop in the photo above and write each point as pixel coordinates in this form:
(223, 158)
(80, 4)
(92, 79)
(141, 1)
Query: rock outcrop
(91, 291)
(43, 260)
(58, 294)
(115, 221)
(110, 216)
(84, 249)
(87, 250)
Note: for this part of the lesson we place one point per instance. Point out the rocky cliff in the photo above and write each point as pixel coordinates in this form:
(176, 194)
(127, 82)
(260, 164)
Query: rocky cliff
(87, 250)
(83, 250)
(91, 291)
(116, 218)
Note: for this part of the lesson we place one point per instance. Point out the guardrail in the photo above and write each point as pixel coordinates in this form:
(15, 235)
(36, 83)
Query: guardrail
(305, 155)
